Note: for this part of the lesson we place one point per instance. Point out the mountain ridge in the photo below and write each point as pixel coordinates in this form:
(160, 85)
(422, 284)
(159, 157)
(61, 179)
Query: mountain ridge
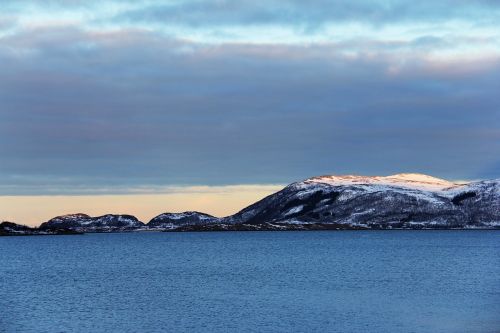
(400, 201)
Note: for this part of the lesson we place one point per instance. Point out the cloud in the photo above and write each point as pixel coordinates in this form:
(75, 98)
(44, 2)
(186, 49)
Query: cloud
(7, 22)
(26, 186)
(87, 110)
(309, 14)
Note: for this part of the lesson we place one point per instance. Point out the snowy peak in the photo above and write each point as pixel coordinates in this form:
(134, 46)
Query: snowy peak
(421, 180)
(169, 220)
(405, 180)
(73, 216)
(178, 216)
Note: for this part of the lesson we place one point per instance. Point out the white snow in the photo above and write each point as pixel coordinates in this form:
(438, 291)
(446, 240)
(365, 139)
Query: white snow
(178, 216)
(405, 180)
(294, 210)
(492, 224)
(295, 221)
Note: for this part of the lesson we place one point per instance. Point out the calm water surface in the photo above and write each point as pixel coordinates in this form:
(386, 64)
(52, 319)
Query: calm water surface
(392, 281)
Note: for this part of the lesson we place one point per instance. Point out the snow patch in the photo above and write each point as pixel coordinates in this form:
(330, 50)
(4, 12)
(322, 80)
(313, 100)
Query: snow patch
(294, 210)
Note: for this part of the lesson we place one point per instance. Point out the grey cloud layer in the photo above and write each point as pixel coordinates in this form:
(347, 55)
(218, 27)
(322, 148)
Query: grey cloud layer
(297, 13)
(311, 13)
(132, 108)
(87, 110)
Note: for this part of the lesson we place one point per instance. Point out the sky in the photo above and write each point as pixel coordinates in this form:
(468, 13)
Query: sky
(140, 104)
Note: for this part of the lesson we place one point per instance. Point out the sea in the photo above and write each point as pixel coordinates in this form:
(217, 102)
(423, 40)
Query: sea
(311, 281)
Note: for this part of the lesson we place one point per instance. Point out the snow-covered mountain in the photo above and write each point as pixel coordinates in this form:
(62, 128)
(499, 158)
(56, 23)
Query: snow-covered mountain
(360, 202)
(175, 220)
(86, 223)
(402, 201)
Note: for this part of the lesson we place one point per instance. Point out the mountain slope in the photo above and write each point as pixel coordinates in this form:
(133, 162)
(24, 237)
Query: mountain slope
(398, 201)
(480, 201)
